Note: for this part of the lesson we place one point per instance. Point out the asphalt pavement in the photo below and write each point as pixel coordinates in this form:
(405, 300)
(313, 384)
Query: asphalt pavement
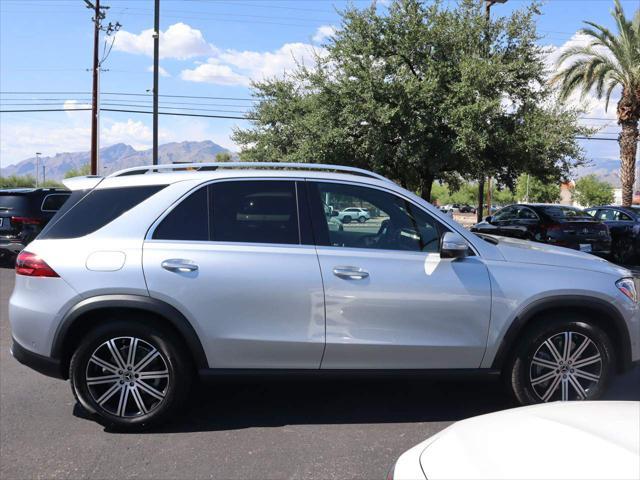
(236, 429)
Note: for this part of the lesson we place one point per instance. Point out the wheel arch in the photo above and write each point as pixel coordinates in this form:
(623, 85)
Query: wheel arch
(95, 310)
(601, 313)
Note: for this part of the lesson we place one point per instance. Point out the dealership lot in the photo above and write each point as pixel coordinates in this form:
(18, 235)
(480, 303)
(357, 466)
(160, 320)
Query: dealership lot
(236, 429)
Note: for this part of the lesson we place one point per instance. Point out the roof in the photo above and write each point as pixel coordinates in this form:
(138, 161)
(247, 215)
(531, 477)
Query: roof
(171, 173)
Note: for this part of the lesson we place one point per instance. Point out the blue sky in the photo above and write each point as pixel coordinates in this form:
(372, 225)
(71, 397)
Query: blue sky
(208, 47)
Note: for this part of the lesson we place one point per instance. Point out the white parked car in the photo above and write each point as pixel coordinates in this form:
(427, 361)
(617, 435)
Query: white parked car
(353, 214)
(560, 440)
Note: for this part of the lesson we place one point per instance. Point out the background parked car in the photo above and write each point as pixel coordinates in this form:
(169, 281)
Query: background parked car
(467, 209)
(624, 226)
(23, 214)
(554, 224)
(353, 214)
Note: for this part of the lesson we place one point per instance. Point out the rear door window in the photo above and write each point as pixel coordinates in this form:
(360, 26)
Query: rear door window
(258, 211)
(96, 209)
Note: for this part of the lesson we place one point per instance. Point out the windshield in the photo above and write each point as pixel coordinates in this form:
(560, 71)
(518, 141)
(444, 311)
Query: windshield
(560, 211)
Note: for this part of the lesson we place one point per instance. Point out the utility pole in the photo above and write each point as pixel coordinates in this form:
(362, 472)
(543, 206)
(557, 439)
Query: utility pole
(37, 166)
(481, 181)
(98, 16)
(156, 55)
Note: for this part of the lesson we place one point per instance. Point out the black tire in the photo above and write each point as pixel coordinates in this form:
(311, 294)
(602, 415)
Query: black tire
(172, 358)
(346, 219)
(362, 219)
(522, 372)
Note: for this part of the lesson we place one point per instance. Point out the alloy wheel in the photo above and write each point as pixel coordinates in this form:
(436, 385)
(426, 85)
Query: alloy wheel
(127, 377)
(566, 366)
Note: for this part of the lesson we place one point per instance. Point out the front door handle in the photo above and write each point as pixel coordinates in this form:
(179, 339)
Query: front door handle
(350, 273)
(179, 265)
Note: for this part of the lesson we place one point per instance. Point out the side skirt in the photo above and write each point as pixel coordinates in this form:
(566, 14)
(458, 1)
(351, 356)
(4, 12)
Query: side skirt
(207, 374)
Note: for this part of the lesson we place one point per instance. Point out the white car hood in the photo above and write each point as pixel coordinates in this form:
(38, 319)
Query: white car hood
(570, 440)
(524, 251)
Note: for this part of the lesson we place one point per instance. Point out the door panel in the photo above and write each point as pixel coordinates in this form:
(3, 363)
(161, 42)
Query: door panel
(391, 301)
(253, 306)
(230, 258)
(414, 310)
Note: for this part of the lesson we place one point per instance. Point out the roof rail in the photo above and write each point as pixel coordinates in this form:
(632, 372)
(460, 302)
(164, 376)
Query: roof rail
(250, 165)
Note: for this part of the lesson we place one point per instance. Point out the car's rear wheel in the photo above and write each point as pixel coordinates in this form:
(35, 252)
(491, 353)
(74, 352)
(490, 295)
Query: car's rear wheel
(362, 219)
(130, 375)
(346, 219)
(561, 358)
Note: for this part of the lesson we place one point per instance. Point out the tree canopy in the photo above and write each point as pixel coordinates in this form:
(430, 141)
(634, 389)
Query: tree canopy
(418, 94)
(590, 191)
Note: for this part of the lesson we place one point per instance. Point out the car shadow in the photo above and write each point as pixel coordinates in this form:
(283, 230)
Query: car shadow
(237, 404)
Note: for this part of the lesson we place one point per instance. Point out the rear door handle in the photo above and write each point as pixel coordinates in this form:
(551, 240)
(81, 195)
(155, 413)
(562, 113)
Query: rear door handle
(179, 265)
(350, 273)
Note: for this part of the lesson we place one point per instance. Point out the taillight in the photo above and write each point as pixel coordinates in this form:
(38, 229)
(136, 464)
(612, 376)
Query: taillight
(25, 220)
(31, 265)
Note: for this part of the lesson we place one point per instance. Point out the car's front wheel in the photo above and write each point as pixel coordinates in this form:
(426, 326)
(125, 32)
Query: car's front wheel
(362, 219)
(129, 374)
(561, 358)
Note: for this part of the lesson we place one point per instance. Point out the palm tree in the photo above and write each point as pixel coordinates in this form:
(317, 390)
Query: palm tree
(610, 61)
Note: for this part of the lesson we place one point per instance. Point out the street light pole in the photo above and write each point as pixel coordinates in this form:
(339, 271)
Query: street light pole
(37, 166)
(481, 181)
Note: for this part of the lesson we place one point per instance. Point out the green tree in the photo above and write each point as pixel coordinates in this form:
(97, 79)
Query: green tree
(223, 157)
(589, 191)
(78, 172)
(26, 181)
(610, 61)
(535, 190)
(392, 93)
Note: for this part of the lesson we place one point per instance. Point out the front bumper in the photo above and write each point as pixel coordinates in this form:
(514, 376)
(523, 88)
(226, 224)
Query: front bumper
(45, 365)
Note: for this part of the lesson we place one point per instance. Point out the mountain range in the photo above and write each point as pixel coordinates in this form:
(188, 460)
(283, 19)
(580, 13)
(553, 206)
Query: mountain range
(116, 157)
(120, 155)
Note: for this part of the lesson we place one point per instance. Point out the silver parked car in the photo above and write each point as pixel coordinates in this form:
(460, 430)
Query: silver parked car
(353, 214)
(153, 275)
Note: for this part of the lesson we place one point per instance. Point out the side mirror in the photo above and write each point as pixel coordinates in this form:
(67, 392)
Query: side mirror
(334, 213)
(488, 218)
(453, 245)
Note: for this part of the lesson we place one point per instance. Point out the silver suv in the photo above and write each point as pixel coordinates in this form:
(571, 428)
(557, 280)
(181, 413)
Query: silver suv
(154, 276)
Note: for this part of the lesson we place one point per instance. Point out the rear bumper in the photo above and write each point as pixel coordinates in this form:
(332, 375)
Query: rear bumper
(45, 365)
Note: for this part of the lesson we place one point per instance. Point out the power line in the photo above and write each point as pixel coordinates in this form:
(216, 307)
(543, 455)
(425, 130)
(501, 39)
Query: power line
(128, 94)
(127, 111)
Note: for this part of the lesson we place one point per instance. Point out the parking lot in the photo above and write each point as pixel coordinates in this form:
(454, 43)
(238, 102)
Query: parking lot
(237, 429)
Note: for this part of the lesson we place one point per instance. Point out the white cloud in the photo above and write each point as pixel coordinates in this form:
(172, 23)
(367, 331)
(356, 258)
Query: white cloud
(214, 72)
(233, 67)
(323, 33)
(179, 41)
(161, 71)
(134, 133)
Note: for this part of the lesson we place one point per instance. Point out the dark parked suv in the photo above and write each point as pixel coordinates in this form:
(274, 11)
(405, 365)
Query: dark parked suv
(23, 214)
(559, 225)
(624, 226)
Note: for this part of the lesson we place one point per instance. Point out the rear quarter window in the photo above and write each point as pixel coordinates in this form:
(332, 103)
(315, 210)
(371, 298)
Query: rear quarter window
(96, 209)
